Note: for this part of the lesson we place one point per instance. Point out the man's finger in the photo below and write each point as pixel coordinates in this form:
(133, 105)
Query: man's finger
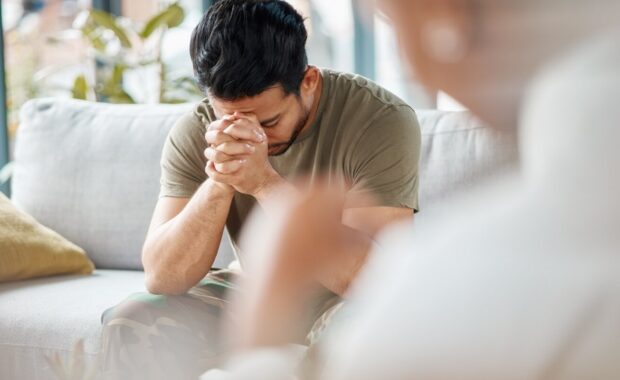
(214, 155)
(221, 124)
(227, 179)
(235, 148)
(248, 116)
(243, 129)
(228, 167)
(216, 137)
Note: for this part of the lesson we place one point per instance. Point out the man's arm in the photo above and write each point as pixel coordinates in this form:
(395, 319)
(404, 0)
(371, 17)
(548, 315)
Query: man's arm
(253, 175)
(184, 237)
(185, 233)
(371, 220)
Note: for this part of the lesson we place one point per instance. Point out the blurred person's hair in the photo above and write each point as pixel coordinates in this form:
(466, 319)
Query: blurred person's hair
(240, 48)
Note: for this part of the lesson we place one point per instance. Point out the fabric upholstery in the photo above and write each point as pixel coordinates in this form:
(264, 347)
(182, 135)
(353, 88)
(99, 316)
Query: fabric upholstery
(90, 171)
(29, 250)
(49, 315)
(458, 152)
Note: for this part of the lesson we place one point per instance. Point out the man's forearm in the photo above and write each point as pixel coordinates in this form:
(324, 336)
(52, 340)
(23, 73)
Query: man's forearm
(272, 188)
(179, 253)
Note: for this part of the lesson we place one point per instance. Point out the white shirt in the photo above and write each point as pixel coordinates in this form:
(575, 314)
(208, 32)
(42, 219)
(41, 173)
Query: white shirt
(525, 282)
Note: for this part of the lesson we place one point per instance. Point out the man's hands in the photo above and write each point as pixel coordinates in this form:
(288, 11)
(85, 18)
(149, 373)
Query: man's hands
(237, 154)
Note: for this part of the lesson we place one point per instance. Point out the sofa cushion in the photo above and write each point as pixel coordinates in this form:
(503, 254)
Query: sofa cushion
(458, 153)
(49, 315)
(90, 171)
(29, 250)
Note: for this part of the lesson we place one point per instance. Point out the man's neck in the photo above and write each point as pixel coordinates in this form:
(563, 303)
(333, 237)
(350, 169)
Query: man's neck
(315, 105)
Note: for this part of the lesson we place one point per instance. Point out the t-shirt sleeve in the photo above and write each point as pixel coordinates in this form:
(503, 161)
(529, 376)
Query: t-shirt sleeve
(182, 161)
(386, 157)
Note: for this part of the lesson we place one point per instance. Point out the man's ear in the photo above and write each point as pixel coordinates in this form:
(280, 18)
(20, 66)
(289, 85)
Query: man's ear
(310, 81)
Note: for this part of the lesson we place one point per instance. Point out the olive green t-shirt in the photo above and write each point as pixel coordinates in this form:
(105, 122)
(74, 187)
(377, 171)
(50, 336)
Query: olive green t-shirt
(362, 135)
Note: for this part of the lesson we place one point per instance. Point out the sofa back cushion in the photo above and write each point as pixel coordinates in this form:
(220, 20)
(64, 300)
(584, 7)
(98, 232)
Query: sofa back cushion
(90, 171)
(459, 152)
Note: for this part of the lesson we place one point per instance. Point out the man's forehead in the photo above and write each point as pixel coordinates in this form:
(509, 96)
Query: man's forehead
(266, 101)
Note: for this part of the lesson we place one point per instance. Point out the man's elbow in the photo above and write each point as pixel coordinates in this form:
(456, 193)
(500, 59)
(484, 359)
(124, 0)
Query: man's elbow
(160, 283)
(156, 285)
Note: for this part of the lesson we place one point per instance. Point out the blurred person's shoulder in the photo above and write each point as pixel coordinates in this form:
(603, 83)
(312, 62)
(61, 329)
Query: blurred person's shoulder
(584, 73)
(574, 97)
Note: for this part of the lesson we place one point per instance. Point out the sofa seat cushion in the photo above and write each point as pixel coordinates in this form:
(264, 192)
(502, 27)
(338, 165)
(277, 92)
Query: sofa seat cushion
(49, 315)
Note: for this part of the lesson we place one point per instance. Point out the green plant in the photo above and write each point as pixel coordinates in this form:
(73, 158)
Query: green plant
(120, 46)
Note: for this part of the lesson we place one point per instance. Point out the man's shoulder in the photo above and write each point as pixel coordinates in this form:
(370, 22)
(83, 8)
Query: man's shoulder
(364, 108)
(203, 112)
(198, 117)
(191, 125)
(357, 88)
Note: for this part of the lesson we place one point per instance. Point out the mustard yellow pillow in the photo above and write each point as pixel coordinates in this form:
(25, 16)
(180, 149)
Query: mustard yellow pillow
(29, 249)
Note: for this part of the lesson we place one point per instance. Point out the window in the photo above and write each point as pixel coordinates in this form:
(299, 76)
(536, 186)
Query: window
(40, 51)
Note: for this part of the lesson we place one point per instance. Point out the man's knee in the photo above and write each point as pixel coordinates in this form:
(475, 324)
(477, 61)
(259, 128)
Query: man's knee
(149, 336)
(139, 307)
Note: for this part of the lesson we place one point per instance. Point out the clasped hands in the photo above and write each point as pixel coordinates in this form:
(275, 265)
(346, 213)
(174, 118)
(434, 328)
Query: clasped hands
(237, 154)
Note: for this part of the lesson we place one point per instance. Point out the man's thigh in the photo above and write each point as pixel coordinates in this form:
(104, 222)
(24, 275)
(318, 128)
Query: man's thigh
(154, 336)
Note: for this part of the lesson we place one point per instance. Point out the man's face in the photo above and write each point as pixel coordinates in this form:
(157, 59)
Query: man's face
(281, 116)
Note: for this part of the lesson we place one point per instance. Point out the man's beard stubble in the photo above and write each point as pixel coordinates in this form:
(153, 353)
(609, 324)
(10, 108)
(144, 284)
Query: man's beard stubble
(287, 144)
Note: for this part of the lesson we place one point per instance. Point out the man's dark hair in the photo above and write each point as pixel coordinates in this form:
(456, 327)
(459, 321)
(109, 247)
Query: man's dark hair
(242, 47)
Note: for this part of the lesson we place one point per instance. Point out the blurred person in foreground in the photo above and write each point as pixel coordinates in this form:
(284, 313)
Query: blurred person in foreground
(268, 118)
(523, 282)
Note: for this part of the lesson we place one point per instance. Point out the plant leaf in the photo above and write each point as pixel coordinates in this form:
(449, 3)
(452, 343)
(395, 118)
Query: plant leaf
(105, 20)
(80, 87)
(112, 89)
(171, 17)
(94, 37)
(117, 76)
(174, 100)
(121, 98)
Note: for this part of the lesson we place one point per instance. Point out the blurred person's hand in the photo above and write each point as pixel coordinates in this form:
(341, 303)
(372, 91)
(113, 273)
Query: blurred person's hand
(309, 232)
(300, 240)
(237, 154)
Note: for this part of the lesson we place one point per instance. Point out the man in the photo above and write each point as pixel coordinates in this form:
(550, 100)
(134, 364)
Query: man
(524, 281)
(269, 118)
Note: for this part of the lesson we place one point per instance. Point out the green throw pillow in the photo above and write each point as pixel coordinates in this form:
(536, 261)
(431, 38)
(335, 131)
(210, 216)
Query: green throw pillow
(29, 249)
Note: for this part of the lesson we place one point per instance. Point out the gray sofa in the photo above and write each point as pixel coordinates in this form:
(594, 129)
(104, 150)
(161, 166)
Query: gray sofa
(91, 172)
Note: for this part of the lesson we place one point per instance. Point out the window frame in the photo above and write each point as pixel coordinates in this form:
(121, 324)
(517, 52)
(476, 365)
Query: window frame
(4, 130)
